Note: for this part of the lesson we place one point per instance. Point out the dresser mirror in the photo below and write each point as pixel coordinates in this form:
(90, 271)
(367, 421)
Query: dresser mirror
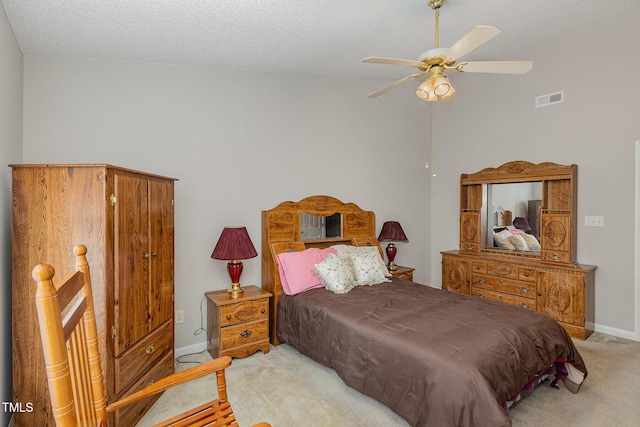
(314, 227)
(514, 206)
(500, 207)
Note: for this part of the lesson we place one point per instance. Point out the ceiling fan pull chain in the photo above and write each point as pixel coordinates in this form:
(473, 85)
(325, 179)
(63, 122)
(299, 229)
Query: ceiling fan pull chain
(431, 137)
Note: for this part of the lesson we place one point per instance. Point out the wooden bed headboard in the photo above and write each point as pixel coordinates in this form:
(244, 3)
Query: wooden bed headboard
(281, 233)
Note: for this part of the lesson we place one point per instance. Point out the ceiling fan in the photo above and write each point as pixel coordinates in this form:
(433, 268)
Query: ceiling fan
(435, 61)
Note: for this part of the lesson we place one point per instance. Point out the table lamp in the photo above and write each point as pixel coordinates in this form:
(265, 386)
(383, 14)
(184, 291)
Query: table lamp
(234, 245)
(392, 232)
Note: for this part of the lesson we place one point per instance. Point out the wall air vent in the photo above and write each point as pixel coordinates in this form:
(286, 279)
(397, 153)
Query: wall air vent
(549, 99)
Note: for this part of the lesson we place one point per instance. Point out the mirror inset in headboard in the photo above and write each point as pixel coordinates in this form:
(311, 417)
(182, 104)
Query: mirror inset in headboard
(313, 227)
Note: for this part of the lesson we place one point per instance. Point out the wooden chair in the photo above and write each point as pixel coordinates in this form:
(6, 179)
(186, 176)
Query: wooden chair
(69, 342)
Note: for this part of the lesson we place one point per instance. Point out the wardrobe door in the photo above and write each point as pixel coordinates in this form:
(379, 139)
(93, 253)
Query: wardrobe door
(131, 259)
(161, 270)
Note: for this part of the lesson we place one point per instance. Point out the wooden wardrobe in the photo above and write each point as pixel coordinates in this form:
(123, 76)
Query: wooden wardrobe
(126, 220)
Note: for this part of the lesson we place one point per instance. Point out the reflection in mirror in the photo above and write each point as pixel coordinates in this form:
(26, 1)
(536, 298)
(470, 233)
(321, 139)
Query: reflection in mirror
(514, 209)
(314, 227)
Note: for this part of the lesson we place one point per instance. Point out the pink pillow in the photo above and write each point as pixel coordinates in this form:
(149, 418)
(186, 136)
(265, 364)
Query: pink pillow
(295, 269)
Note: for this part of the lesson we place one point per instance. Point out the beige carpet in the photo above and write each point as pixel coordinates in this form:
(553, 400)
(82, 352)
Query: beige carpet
(288, 389)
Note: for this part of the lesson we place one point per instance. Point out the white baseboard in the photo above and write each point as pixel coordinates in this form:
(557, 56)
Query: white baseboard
(620, 333)
(190, 349)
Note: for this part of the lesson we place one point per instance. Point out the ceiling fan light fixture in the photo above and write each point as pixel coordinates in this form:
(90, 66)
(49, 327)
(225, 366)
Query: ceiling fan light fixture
(425, 91)
(441, 85)
(449, 94)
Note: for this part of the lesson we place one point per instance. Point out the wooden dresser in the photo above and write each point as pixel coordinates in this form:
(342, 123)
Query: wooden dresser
(564, 293)
(126, 220)
(548, 280)
(238, 327)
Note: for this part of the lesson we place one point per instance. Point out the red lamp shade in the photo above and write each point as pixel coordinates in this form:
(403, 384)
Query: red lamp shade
(521, 223)
(392, 232)
(233, 245)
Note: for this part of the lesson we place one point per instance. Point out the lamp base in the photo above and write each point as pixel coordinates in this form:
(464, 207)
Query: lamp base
(234, 268)
(235, 290)
(391, 255)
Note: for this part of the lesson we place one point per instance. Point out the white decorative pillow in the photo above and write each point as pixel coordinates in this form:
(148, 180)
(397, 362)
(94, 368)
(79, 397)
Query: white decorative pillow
(518, 242)
(345, 251)
(367, 269)
(334, 275)
(532, 242)
(502, 239)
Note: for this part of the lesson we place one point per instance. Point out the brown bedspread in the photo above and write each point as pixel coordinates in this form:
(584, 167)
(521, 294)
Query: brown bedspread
(434, 357)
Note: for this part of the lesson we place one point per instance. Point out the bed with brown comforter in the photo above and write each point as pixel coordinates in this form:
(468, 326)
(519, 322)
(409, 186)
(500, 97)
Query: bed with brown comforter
(435, 358)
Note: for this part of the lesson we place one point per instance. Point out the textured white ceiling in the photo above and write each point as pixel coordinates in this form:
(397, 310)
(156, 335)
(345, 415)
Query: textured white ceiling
(319, 37)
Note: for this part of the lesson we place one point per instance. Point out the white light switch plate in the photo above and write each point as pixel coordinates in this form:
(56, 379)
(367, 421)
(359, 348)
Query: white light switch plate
(594, 221)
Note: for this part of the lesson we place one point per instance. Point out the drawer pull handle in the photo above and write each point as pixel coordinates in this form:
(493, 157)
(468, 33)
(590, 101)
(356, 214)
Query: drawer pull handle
(228, 317)
(262, 311)
(151, 349)
(554, 257)
(480, 281)
(246, 333)
(469, 247)
(524, 305)
(150, 383)
(524, 289)
(480, 296)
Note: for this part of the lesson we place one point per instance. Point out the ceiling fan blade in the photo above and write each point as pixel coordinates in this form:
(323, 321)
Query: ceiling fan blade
(391, 61)
(394, 85)
(472, 40)
(496, 67)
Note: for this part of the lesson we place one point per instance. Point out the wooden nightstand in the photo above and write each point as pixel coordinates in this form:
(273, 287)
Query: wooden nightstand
(238, 327)
(405, 273)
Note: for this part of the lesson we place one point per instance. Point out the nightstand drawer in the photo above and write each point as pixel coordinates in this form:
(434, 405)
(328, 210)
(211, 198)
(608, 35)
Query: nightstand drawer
(244, 312)
(401, 272)
(245, 333)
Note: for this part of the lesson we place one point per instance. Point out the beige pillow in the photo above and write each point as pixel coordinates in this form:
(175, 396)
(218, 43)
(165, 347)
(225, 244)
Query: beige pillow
(334, 275)
(502, 239)
(518, 242)
(532, 242)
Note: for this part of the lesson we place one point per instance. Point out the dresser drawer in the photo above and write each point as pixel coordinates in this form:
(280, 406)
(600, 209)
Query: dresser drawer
(245, 311)
(527, 274)
(513, 287)
(136, 361)
(528, 303)
(245, 333)
(503, 269)
(479, 267)
(556, 256)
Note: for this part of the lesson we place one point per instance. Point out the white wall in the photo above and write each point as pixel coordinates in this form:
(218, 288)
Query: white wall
(239, 143)
(493, 121)
(10, 152)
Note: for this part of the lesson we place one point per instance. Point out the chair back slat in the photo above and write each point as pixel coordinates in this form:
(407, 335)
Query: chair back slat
(69, 288)
(69, 340)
